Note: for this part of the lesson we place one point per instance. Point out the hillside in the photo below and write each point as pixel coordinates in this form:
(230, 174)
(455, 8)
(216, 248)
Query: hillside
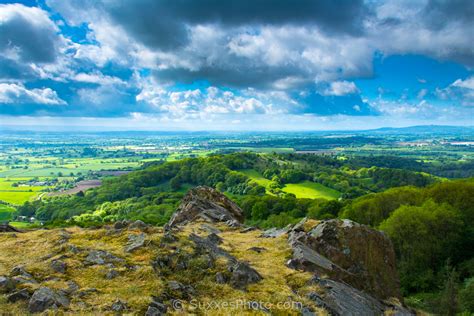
(197, 264)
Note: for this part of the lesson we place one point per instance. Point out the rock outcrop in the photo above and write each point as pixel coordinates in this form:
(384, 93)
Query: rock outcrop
(207, 204)
(349, 252)
(6, 228)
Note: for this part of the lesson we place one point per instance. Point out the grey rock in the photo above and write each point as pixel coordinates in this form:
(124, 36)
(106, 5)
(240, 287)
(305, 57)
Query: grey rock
(242, 275)
(20, 270)
(72, 287)
(119, 306)
(220, 278)
(135, 242)
(21, 295)
(306, 311)
(248, 229)
(121, 224)
(6, 228)
(213, 250)
(6, 284)
(208, 204)
(214, 238)
(101, 257)
(180, 290)
(169, 238)
(299, 226)
(257, 249)
(111, 274)
(210, 229)
(45, 298)
(233, 223)
(58, 266)
(158, 306)
(153, 311)
(138, 224)
(342, 299)
(275, 232)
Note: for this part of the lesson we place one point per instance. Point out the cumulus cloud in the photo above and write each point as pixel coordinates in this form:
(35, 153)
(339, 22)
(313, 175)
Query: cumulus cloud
(339, 88)
(18, 94)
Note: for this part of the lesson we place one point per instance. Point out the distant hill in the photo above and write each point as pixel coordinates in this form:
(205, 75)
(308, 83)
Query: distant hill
(425, 129)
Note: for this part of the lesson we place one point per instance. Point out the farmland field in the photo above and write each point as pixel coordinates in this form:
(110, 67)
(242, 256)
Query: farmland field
(311, 190)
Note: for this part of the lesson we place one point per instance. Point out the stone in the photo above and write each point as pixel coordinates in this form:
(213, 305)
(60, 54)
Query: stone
(210, 229)
(275, 232)
(169, 238)
(342, 299)
(101, 257)
(121, 224)
(242, 275)
(111, 274)
(346, 251)
(135, 242)
(157, 307)
(220, 278)
(58, 266)
(119, 306)
(248, 229)
(257, 249)
(138, 224)
(207, 204)
(177, 289)
(6, 284)
(214, 238)
(72, 287)
(21, 295)
(153, 311)
(45, 298)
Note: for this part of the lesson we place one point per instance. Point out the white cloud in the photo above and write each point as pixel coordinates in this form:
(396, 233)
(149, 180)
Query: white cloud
(18, 94)
(340, 88)
(98, 78)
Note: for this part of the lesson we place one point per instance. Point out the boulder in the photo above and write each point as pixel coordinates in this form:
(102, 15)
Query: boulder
(208, 204)
(138, 224)
(6, 284)
(21, 295)
(45, 298)
(214, 238)
(346, 251)
(135, 242)
(119, 306)
(58, 266)
(101, 257)
(242, 275)
(275, 232)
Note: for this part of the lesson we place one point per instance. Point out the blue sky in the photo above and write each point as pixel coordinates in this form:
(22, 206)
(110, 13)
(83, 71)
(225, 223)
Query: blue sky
(236, 65)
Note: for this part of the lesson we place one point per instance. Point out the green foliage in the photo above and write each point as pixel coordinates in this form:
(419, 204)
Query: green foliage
(424, 237)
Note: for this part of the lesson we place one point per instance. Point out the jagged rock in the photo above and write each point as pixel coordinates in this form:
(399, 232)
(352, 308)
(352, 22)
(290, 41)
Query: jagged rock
(300, 225)
(180, 290)
(275, 232)
(214, 250)
(64, 236)
(233, 223)
(214, 238)
(207, 204)
(242, 275)
(346, 251)
(121, 224)
(21, 295)
(220, 278)
(72, 287)
(58, 266)
(210, 229)
(135, 242)
(257, 249)
(87, 292)
(45, 298)
(74, 249)
(341, 299)
(101, 257)
(6, 228)
(6, 284)
(111, 274)
(248, 229)
(156, 308)
(20, 276)
(119, 306)
(19, 270)
(169, 238)
(138, 224)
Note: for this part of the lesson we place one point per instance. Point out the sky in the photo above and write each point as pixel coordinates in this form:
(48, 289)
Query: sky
(236, 64)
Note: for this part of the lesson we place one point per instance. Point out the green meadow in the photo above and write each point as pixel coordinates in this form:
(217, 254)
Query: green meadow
(311, 190)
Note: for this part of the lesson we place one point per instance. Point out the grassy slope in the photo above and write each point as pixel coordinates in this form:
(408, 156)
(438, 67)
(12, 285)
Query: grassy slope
(137, 285)
(305, 189)
(311, 190)
(5, 212)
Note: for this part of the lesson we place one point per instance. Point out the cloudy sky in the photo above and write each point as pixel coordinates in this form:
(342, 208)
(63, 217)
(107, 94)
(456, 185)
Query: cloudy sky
(236, 65)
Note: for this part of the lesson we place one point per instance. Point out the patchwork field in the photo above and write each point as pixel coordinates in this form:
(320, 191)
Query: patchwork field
(302, 190)
(311, 190)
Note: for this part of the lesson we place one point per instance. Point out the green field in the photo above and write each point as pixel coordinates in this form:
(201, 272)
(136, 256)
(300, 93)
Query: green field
(5, 212)
(302, 190)
(311, 190)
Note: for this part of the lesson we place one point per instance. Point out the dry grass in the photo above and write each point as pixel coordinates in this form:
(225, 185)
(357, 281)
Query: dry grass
(35, 250)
